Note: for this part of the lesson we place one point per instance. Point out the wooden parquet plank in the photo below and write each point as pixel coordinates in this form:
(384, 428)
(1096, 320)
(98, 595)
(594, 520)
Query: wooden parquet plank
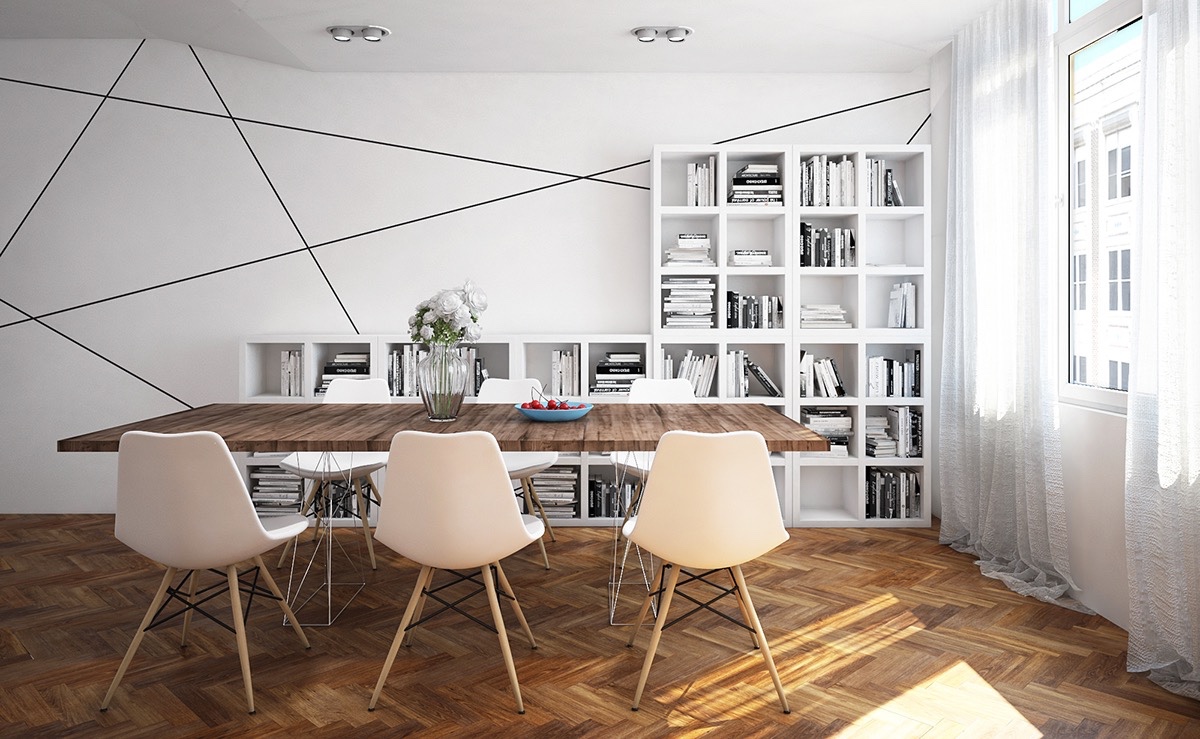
(875, 633)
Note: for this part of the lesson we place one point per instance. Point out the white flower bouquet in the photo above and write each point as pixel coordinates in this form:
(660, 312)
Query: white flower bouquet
(450, 316)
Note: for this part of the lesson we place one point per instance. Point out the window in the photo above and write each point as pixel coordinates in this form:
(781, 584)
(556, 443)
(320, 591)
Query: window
(1079, 282)
(1118, 280)
(1101, 79)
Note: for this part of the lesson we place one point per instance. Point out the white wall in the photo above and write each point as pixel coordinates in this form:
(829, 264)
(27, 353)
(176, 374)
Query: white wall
(155, 194)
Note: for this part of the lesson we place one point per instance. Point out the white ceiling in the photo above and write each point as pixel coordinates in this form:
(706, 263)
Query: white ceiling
(524, 35)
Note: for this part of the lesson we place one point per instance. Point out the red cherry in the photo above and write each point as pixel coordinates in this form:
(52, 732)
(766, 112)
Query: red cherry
(526, 405)
(536, 404)
(552, 405)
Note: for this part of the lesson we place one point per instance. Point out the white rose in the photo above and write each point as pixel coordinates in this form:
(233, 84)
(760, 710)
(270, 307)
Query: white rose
(474, 296)
(461, 317)
(430, 317)
(427, 332)
(473, 332)
(448, 302)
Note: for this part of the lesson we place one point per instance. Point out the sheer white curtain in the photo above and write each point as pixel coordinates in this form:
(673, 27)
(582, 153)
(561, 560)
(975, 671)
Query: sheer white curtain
(1001, 472)
(1162, 479)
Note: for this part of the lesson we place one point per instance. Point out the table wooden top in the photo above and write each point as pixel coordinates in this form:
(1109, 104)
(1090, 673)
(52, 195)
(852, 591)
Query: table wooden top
(300, 427)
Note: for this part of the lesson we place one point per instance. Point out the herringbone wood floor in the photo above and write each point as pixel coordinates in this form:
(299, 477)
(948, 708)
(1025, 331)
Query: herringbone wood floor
(876, 633)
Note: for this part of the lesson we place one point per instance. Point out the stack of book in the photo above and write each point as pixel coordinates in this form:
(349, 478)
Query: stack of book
(894, 378)
(564, 373)
(753, 311)
(558, 490)
(756, 184)
(690, 250)
(879, 443)
(827, 247)
(345, 364)
(826, 182)
(902, 306)
(688, 302)
(883, 188)
(701, 182)
(904, 427)
(893, 492)
(616, 372)
(832, 422)
(291, 376)
(750, 258)
(700, 370)
(274, 490)
(823, 315)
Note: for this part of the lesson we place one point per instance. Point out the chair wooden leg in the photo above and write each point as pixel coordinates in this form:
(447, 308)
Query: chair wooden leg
(637, 622)
(527, 492)
(531, 494)
(187, 615)
(155, 602)
(672, 580)
(498, 617)
(423, 580)
(504, 585)
(408, 637)
(239, 628)
(742, 606)
(633, 504)
(362, 514)
(762, 638)
(283, 604)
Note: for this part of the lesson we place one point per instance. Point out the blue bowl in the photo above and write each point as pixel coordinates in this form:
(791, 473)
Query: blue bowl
(545, 414)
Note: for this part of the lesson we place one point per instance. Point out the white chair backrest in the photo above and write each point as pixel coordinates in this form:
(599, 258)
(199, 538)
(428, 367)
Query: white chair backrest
(181, 501)
(710, 500)
(500, 390)
(348, 390)
(452, 508)
(649, 390)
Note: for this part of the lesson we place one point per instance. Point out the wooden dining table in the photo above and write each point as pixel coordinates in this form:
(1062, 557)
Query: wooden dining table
(337, 427)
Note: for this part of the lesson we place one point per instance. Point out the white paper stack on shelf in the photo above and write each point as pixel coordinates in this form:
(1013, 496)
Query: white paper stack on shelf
(823, 315)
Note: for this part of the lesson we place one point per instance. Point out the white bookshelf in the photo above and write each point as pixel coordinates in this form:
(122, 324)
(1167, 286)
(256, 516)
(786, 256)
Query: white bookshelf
(892, 245)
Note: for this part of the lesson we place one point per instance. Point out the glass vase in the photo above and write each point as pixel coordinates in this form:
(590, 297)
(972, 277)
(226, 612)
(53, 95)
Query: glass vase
(442, 378)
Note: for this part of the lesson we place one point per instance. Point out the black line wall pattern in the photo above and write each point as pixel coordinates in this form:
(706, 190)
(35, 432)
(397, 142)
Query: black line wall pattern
(160, 222)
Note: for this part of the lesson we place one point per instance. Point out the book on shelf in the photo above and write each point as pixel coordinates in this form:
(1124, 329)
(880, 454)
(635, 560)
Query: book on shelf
(699, 370)
(623, 356)
(291, 375)
(819, 378)
(691, 250)
(701, 177)
(888, 377)
(902, 306)
(750, 258)
(826, 182)
(822, 246)
(688, 302)
(826, 315)
(893, 492)
(753, 311)
(833, 423)
(806, 389)
(884, 186)
(756, 184)
(759, 374)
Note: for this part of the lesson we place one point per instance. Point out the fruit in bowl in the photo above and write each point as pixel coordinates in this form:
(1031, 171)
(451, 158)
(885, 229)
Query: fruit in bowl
(552, 405)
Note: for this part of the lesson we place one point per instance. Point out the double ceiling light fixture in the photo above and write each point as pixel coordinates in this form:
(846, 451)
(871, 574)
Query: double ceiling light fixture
(368, 33)
(674, 34)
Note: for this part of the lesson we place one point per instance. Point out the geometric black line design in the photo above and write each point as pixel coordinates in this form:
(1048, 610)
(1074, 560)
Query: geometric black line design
(329, 134)
(824, 115)
(573, 178)
(278, 197)
(927, 118)
(95, 112)
(98, 355)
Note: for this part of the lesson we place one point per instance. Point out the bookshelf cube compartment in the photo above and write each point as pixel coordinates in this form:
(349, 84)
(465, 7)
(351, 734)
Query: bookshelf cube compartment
(262, 371)
(753, 302)
(826, 179)
(736, 163)
(493, 359)
(684, 231)
(905, 425)
(751, 238)
(770, 359)
(611, 366)
(895, 302)
(838, 424)
(827, 242)
(673, 174)
(844, 360)
(827, 495)
(699, 362)
(823, 289)
(895, 370)
(606, 493)
(561, 376)
(894, 238)
(894, 494)
(908, 175)
(558, 489)
(688, 301)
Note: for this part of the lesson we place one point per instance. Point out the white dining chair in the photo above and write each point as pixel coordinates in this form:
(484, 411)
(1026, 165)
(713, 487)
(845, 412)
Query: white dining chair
(522, 466)
(636, 465)
(324, 469)
(687, 520)
(182, 503)
(452, 510)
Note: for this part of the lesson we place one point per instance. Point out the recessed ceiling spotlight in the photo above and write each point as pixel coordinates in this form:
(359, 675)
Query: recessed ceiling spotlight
(340, 33)
(646, 34)
(373, 33)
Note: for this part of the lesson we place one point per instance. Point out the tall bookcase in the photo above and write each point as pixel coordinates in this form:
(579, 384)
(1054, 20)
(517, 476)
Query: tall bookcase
(891, 247)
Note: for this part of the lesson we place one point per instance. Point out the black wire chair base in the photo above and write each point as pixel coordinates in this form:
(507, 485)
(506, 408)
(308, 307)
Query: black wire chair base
(706, 605)
(177, 594)
(453, 605)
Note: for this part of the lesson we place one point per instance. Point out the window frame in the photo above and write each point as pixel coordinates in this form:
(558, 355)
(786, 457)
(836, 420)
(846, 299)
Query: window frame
(1069, 38)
